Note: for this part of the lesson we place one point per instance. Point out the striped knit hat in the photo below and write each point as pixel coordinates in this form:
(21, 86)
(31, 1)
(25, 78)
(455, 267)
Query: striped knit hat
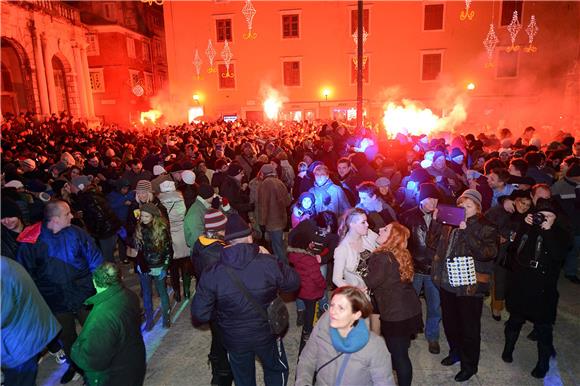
(144, 186)
(214, 220)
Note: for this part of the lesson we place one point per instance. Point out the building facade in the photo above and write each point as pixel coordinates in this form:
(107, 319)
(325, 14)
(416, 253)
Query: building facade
(418, 50)
(44, 59)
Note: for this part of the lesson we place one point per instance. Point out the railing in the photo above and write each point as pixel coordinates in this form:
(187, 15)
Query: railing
(55, 8)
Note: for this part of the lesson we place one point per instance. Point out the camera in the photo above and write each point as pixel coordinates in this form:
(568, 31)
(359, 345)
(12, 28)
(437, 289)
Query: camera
(538, 218)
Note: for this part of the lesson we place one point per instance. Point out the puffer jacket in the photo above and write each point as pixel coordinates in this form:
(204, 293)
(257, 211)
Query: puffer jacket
(60, 264)
(330, 197)
(205, 253)
(422, 254)
(99, 218)
(312, 283)
(480, 240)
(176, 210)
(151, 257)
(243, 326)
(371, 365)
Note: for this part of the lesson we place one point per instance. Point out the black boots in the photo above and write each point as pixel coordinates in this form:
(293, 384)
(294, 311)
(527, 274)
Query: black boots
(220, 370)
(545, 351)
(511, 337)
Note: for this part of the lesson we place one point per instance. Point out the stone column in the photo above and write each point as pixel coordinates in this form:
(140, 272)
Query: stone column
(81, 81)
(40, 74)
(88, 90)
(49, 77)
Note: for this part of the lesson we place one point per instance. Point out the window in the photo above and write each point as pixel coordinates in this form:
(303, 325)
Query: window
(430, 65)
(149, 89)
(157, 49)
(433, 17)
(507, 64)
(508, 8)
(109, 11)
(223, 28)
(134, 77)
(291, 73)
(93, 48)
(97, 79)
(226, 82)
(161, 79)
(290, 26)
(131, 47)
(353, 70)
(354, 20)
(146, 51)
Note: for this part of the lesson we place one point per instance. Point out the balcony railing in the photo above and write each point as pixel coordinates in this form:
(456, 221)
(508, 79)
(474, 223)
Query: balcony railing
(55, 9)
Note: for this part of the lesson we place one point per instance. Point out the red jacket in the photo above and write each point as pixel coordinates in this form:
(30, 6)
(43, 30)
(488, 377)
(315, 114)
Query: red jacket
(312, 283)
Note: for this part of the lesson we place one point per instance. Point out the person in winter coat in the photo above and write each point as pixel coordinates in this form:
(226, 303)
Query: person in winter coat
(390, 278)
(12, 225)
(193, 224)
(273, 200)
(152, 239)
(303, 209)
(110, 347)
(60, 258)
(246, 332)
(28, 325)
(532, 294)
(120, 201)
(236, 191)
(341, 349)
(180, 267)
(462, 298)
(206, 252)
(379, 213)
(307, 264)
(328, 196)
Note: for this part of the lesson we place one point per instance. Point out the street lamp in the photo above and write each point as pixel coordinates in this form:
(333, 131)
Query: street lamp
(326, 93)
(471, 86)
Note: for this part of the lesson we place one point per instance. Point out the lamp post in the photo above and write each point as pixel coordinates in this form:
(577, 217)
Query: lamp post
(326, 92)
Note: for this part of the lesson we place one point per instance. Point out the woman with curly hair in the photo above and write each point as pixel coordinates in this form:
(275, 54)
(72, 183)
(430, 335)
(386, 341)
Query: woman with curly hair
(390, 277)
(153, 241)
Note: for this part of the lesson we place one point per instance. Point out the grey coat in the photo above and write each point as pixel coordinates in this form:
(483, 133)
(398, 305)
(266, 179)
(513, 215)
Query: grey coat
(370, 366)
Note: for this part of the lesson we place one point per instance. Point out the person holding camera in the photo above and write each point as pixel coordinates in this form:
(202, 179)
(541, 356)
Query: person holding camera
(532, 293)
(461, 269)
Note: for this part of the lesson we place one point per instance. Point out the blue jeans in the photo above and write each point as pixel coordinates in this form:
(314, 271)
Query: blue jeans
(274, 362)
(323, 302)
(23, 374)
(571, 262)
(159, 281)
(277, 241)
(433, 305)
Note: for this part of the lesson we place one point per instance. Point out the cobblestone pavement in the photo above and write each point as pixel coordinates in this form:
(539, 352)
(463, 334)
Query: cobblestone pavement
(178, 356)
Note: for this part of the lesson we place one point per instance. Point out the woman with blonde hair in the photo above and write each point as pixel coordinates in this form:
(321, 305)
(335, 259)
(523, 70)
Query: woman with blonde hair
(390, 278)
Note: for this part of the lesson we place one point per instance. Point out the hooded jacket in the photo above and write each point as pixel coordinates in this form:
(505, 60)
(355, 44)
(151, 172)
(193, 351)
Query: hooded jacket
(243, 327)
(205, 253)
(312, 283)
(330, 196)
(176, 210)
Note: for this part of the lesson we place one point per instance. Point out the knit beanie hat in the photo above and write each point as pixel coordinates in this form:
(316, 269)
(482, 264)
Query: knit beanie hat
(268, 170)
(473, 195)
(428, 190)
(437, 155)
(234, 169)
(383, 182)
(236, 228)
(214, 220)
(456, 152)
(29, 163)
(151, 209)
(205, 191)
(420, 175)
(16, 184)
(10, 208)
(188, 177)
(144, 186)
(81, 182)
(158, 170)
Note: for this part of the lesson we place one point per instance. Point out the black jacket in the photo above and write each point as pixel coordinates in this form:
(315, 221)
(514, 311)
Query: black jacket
(205, 253)
(99, 218)
(238, 199)
(149, 256)
(243, 326)
(422, 253)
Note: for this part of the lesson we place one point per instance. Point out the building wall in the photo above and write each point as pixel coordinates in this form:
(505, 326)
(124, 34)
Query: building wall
(41, 31)
(394, 47)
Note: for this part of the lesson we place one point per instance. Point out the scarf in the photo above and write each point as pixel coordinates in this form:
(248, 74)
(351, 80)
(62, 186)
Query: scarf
(356, 339)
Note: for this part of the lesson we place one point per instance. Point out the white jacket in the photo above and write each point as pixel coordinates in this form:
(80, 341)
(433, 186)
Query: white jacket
(346, 262)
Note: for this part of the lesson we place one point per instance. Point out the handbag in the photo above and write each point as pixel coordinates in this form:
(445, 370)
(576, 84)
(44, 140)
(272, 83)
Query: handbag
(323, 366)
(461, 270)
(276, 314)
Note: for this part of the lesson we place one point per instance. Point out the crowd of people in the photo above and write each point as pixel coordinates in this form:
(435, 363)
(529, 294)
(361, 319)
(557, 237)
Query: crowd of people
(355, 227)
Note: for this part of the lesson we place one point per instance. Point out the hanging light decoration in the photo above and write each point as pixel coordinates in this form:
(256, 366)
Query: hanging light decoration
(532, 30)
(151, 2)
(249, 12)
(514, 29)
(489, 43)
(210, 52)
(467, 13)
(197, 63)
(227, 57)
(365, 35)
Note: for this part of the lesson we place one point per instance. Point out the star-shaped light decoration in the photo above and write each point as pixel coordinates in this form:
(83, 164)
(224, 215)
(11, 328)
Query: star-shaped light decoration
(489, 43)
(249, 12)
(532, 30)
(355, 36)
(514, 29)
(227, 57)
(210, 52)
(197, 63)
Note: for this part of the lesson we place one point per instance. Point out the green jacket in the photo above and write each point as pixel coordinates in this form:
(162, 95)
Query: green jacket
(193, 223)
(110, 347)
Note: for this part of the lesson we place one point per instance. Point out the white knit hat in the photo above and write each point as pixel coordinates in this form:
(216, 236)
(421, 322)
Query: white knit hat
(188, 177)
(158, 170)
